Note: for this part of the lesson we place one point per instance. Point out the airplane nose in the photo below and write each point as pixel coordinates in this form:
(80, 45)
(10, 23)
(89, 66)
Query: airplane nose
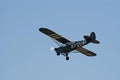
(56, 49)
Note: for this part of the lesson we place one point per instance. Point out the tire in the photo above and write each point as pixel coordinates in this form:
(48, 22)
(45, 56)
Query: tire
(67, 58)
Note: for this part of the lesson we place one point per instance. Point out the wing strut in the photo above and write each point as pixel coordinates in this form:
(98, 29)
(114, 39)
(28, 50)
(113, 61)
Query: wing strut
(58, 43)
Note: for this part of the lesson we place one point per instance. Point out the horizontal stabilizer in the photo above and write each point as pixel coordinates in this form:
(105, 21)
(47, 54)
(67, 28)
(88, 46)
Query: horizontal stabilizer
(91, 38)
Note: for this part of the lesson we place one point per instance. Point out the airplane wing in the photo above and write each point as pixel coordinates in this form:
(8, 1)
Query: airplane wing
(86, 52)
(54, 35)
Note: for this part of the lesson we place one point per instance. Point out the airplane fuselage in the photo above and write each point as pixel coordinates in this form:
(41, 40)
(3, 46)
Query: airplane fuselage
(70, 46)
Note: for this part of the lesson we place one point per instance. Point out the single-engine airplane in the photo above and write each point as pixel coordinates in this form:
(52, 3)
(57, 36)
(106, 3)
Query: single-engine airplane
(70, 46)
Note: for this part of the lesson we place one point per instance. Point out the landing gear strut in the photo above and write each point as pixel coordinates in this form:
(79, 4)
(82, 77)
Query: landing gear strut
(67, 58)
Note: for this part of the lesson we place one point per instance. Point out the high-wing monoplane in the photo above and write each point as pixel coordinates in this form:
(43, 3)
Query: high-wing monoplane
(70, 46)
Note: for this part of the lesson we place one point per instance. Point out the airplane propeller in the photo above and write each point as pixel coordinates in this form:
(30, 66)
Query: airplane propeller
(52, 48)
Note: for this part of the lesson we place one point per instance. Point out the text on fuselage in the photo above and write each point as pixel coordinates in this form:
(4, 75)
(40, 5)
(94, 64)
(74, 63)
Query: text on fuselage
(78, 44)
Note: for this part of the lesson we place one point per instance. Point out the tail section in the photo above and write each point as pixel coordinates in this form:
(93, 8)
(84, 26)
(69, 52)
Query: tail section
(91, 38)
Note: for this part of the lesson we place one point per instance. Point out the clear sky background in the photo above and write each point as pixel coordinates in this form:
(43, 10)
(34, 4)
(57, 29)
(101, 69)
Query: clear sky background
(25, 52)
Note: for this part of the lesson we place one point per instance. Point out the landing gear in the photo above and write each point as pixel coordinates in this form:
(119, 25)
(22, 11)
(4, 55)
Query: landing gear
(58, 54)
(67, 58)
(64, 54)
(56, 50)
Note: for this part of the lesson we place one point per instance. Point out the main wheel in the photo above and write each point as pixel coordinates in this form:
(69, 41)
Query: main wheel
(58, 54)
(67, 58)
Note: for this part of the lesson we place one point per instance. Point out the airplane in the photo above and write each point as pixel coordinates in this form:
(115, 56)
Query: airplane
(70, 46)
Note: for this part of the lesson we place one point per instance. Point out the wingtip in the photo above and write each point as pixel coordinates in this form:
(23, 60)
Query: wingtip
(41, 29)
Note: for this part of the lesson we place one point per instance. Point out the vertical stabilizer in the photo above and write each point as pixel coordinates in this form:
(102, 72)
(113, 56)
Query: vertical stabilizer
(91, 38)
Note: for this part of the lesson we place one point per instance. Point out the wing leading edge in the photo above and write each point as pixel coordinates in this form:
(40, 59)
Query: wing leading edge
(54, 35)
(86, 52)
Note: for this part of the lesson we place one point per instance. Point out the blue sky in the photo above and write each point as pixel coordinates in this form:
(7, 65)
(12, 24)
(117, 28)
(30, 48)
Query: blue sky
(25, 52)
